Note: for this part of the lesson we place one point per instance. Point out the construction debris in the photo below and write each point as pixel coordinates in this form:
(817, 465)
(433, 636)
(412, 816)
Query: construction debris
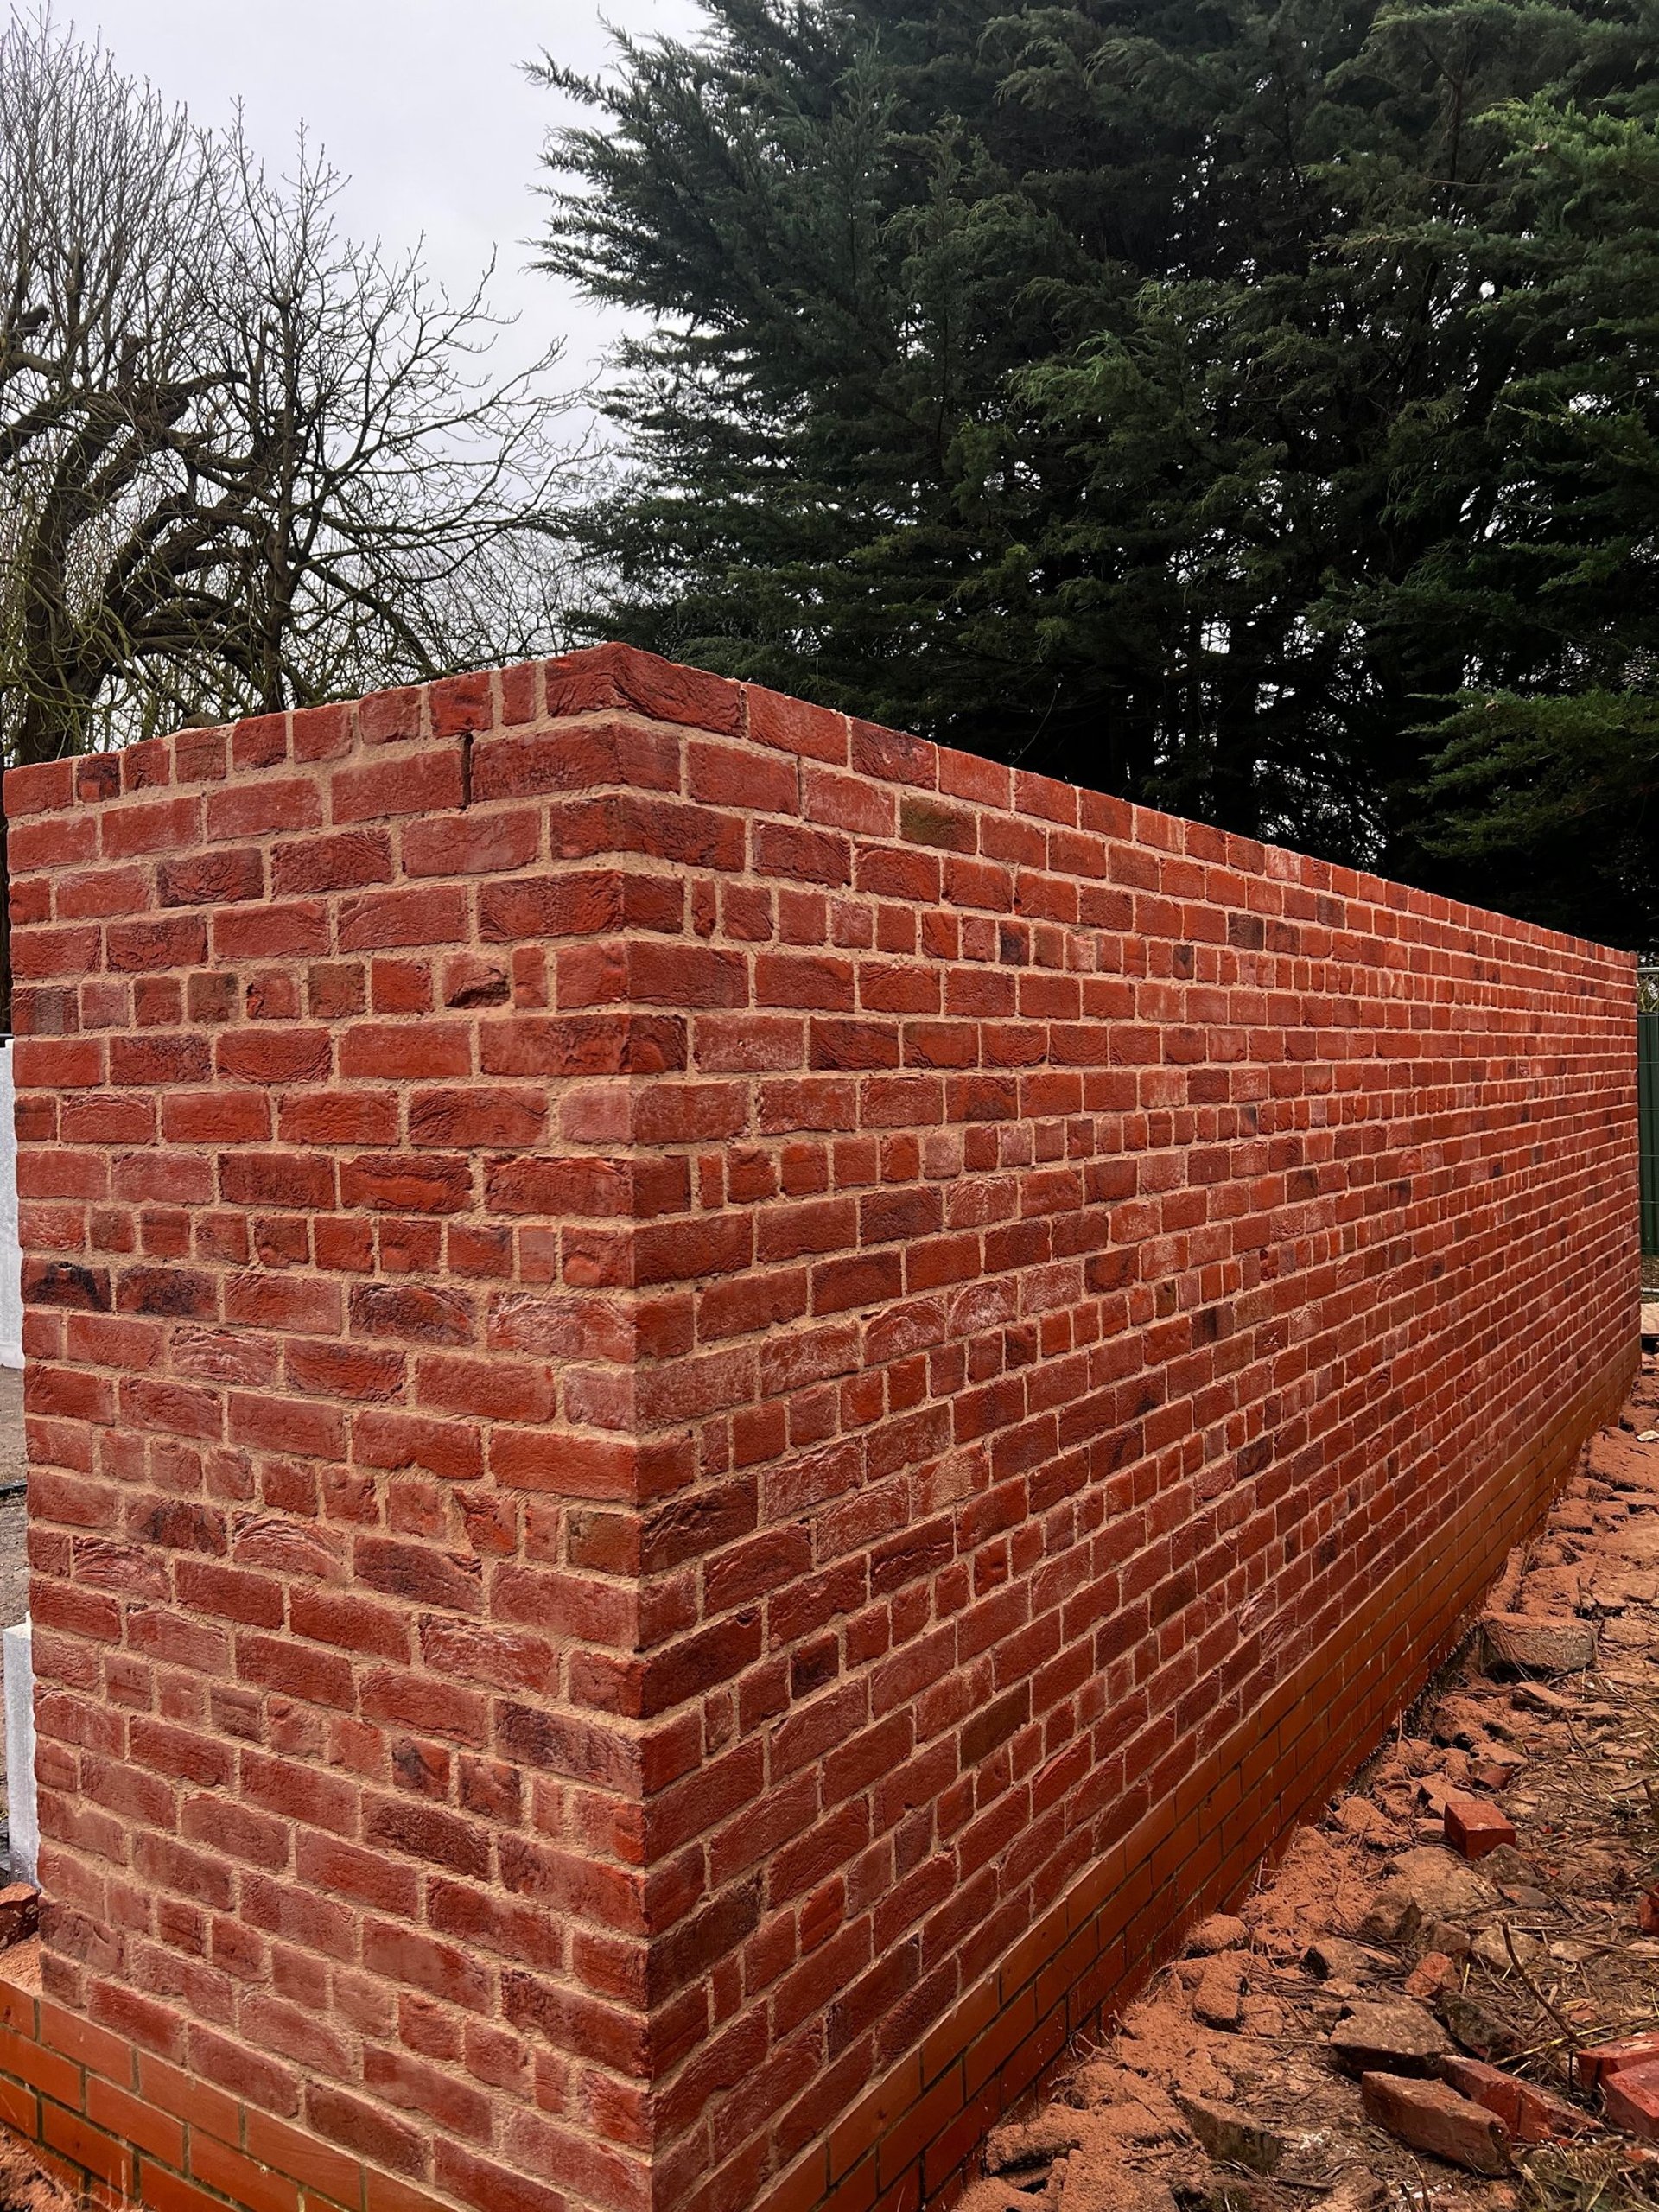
(1231, 2137)
(1473, 1828)
(1431, 2117)
(1534, 1646)
(1446, 1999)
(1389, 2039)
(1633, 2100)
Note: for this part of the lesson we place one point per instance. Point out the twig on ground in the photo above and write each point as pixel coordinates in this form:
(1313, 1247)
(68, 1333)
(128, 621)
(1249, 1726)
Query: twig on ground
(1535, 1992)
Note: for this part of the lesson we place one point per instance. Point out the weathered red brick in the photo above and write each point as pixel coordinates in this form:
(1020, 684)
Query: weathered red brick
(647, 1327)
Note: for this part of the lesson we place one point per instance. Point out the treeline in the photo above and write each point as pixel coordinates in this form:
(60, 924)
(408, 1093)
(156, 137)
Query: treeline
(1248, 407)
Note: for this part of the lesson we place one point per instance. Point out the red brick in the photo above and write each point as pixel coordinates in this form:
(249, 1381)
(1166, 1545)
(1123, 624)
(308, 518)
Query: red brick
(382, 791)
(1597, 2063)
(1630, 2100)
(625, 1615)
(1473, 1828)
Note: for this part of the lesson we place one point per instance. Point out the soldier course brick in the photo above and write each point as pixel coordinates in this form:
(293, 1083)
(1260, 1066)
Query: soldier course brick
(720, 1405)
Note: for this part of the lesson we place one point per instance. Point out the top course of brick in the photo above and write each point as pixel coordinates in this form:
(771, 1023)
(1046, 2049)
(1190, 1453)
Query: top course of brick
(489, 716)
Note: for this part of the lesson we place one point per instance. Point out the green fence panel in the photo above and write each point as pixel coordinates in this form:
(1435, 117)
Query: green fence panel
(1647, 1101)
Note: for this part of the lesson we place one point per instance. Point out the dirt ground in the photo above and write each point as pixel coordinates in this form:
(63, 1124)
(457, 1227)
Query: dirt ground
(1232, 2085)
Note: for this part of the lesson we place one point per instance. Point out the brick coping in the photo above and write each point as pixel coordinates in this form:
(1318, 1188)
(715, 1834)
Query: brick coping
(614, 678)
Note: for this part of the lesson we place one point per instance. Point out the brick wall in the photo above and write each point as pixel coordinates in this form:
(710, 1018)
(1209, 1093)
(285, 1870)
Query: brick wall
(721, 1406)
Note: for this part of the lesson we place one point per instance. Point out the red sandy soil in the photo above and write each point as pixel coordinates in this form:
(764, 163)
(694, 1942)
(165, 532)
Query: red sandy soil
(1539, 1945)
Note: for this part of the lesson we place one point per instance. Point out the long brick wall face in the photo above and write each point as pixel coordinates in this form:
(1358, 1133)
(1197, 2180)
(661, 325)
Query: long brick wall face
(720, 1407)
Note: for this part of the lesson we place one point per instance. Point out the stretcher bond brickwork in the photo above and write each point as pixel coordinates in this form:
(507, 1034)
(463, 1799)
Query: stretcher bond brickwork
(721, 1406)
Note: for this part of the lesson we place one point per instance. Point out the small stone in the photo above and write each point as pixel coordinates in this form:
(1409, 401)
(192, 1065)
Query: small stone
(1529, 1643)
(1221, 1931)
(1356, 2192)
(1504, 1864)
(1446, 1936)
(1432, 1972)
(1233, 2136)
(1218, 2001)
(1429, 2116)
(1647, 1912)
(1334, 1958)
(1428, 1884)
(1492, 1951)
(1393, 1915)
(1473, 1828)
(1474, 2025)
(1389, 2039)
(1445, 1886)
(1630, 2100)
(1600, 2063)
(1022, 2144)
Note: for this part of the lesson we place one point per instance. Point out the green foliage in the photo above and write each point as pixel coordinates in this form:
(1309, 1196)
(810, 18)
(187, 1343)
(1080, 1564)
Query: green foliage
(1214, 400)
(1566, 789)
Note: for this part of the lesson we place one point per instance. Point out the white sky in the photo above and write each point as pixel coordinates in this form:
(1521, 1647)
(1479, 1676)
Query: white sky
(422, 103)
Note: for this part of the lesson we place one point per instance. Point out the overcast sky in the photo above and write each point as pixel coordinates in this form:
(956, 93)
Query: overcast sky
(422, 103)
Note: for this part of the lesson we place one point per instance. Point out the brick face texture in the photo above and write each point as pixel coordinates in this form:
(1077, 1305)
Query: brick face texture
(720, 1406)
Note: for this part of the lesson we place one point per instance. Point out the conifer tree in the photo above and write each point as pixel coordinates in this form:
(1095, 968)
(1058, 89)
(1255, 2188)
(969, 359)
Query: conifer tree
(1214, 400)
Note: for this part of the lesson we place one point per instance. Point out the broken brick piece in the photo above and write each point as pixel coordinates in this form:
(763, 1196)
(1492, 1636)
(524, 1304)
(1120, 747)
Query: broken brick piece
(1545, 2118)
(1484, 2085)
(1602, 2061)
(20, 1913)
(1531, 2115)
(1431, 2116)
(1494, 1773)
(1647, 1912)
(1430, 1971)
(1630, 2100)
(1473, 1828)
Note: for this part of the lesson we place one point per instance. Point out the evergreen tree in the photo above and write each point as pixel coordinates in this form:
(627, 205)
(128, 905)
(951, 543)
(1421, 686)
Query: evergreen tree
(1180, 395)
(1549, 781)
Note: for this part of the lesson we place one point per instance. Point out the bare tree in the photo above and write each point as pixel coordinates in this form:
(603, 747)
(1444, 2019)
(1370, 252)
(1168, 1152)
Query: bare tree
(245, 461)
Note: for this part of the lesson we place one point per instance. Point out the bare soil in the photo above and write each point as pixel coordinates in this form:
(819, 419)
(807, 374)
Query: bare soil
(1554, 1958)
